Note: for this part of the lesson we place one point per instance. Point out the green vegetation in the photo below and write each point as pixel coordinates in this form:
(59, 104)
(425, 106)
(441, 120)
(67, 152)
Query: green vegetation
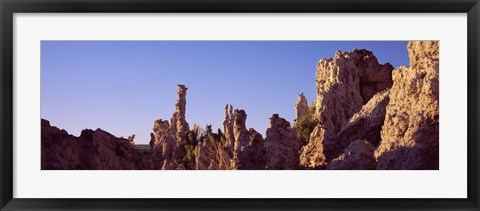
(305, 125)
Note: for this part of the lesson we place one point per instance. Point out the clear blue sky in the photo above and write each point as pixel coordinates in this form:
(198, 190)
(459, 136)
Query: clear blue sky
(123, 86)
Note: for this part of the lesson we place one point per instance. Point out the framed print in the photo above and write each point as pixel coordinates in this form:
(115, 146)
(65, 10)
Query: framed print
(255, 105)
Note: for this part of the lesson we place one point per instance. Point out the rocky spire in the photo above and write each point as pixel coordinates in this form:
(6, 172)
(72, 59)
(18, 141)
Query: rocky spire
(228, 128)
(249, 147)
(180, 125)
(167, 139)
(301, 106)
(281, 145)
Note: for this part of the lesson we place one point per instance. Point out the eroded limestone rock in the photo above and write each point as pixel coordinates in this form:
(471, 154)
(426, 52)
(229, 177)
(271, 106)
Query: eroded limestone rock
(357, 156)
(410, 136)
(344, 84)
(249, 152)
(281, 145)
(367, 123)
(301, 106)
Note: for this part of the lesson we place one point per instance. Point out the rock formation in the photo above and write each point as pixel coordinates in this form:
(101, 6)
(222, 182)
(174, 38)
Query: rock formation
(249, 152)
(410, 131)
(228, 128)
(168, 139)
(365, 116)
(357, 156)
(92, 150)
(344, 84)
(301, 106)
(313, 155)
(211, 153)
(281, 145)
(180, 126)
(367, 123)
(163, 143)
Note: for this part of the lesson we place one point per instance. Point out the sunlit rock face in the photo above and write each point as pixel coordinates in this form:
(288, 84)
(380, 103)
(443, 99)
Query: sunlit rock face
(249, 150)
(411, 127)
(281, 145)
(344, 84)
(301, 106)
(357, 156)
(313, 155)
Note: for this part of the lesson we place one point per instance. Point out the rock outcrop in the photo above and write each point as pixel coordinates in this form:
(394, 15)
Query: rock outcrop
(344, 84)
(410, 133)
(301, 107)
(357, 156)
(313, 155)
(92, 150)
(249, 151)
(281, 145)
(367, 123)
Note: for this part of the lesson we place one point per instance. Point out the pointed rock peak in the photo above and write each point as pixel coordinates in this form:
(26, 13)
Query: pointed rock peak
(301, 106)
(182, 87)
(277, 122)
(240, 117)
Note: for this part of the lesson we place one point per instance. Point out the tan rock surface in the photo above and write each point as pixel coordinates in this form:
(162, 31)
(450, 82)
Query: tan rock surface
(367, 123)
(301, 106)
(410, 136)
(313, 156)
(357, 156)
(344, 84)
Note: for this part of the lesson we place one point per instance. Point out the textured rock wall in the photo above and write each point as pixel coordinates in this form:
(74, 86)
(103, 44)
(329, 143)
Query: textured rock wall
(410, 131)
(344, 84)
(367, 123)
(357, 156)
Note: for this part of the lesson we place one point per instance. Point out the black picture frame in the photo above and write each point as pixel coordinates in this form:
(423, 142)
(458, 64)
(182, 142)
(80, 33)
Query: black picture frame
(9, 7)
